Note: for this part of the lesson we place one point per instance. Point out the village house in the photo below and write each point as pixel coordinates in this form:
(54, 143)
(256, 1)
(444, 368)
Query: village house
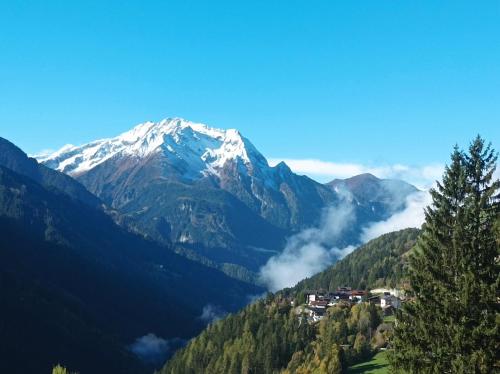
(318, 301)
(357, 295)
(320, 304)
(323, 299)
(390, 301)
(314, 314)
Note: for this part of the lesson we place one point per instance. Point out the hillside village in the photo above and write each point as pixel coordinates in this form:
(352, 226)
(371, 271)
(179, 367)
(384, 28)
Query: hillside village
(317, 302)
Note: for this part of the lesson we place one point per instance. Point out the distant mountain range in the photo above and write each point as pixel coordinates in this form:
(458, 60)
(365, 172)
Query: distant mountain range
(213, 193)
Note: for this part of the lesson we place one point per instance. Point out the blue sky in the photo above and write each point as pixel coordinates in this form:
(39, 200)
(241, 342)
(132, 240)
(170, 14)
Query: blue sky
(373, 83)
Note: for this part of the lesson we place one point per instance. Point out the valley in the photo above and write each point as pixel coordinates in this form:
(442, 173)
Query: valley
(155, 249)
(249, 187)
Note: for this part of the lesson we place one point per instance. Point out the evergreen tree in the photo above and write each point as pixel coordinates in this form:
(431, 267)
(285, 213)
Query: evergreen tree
(58, 369)
(450, 327)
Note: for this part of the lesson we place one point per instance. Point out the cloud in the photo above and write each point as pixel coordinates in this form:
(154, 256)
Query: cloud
(309, 251)
(153, 349)
(42, 154)
(312, 251)
(421, 176)
(253, 298)
(212, 313)
(47, 153)
(412, 216)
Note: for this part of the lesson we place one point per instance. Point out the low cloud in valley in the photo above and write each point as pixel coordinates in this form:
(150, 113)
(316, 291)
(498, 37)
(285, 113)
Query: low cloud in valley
(309, 251)
(411, 216)
(212, 313)
(153, 349)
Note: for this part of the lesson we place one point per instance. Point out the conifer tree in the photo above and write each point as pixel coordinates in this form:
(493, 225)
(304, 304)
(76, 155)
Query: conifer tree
(451, 325)
(58, 369)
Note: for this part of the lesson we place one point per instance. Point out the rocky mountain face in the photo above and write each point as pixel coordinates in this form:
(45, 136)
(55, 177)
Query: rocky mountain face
(208, 189)
(80, 289)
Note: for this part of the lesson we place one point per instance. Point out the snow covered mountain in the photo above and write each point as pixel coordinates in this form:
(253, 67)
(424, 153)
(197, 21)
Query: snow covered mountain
(209, 189)
(194, 149)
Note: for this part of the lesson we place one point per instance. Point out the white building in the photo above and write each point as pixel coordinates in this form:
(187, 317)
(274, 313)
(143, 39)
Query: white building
(390, 300)
(311, 297)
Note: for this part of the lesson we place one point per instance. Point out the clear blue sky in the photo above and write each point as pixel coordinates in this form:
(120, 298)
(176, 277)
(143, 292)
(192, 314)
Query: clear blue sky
(346, 81)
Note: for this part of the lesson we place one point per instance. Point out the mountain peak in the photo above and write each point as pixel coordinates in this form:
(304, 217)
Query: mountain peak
(356, 179)
(364, 176)
(201, 149)
(172, 126)
(367, 188)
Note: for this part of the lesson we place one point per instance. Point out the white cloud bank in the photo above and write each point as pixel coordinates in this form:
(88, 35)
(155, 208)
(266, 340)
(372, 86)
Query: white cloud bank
(309, 252)
(421, 176)
(212, 313)
(412, 216)
(43, 153)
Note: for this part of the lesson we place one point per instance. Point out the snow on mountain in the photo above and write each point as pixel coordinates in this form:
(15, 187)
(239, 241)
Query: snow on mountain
(184, 182)
(205, 149)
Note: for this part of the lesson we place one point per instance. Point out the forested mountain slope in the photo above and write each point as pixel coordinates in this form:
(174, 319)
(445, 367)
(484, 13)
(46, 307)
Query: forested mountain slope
(378, 263)
(73, 282)
(269, 336)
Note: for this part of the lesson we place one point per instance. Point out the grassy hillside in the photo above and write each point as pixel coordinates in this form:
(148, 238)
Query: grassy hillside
(378, 364)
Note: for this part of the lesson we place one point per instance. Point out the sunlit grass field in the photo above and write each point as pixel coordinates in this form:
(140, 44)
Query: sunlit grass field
(377, 365)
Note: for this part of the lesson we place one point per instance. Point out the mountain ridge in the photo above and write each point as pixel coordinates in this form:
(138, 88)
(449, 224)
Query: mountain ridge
(15, 159)
(188, 183)
(211, 190)
(63, 257)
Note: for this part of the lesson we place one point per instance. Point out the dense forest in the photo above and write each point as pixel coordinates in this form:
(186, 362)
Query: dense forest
(270, 335)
